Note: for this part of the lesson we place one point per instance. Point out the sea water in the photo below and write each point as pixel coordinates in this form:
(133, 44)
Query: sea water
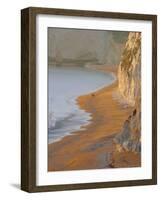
(65, 85)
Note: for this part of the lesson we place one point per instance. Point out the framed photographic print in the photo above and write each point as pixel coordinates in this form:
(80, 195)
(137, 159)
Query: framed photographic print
(89, 99)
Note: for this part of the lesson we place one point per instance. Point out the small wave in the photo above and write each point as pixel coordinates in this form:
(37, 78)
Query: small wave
(68, 125)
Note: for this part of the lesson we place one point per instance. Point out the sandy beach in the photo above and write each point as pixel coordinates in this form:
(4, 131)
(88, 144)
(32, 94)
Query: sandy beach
(92, 148)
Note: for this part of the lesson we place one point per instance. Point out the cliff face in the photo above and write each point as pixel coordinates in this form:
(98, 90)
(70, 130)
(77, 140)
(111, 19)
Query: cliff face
(81, 47)
(129, 70)
(116, 45)
(129, 85)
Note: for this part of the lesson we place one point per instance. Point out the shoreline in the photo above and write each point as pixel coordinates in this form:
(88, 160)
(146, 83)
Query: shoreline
(91, 148)
(108, 72)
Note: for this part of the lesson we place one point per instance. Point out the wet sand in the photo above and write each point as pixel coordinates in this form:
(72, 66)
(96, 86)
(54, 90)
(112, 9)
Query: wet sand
(92, 148)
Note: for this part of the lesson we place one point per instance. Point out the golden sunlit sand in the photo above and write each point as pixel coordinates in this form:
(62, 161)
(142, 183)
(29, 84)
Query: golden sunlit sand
(93, 147)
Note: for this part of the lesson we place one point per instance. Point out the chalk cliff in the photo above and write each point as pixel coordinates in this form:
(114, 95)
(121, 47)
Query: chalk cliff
(129, 86)
(85, 47)
(129, 70)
